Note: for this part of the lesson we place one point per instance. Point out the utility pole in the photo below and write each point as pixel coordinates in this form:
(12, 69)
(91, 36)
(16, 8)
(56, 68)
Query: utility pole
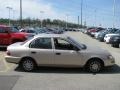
(21, 14)
(9, 8)
(114, 13)
(67, 21)
(41, 12)
(95, 17)
(81, 12)
(78, 21)
(13, 14)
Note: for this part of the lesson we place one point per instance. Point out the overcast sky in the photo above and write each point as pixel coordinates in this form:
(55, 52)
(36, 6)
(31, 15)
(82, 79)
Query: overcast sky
(95, 12)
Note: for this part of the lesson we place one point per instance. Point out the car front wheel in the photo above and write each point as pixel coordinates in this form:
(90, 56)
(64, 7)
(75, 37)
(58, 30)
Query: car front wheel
(94, 66)
(115, 45)
(28, 64)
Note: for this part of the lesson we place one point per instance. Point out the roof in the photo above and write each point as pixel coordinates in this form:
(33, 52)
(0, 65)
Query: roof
(4, 26)
(50, 35)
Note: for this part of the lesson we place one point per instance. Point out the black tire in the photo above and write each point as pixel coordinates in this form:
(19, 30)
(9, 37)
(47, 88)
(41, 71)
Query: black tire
(112, 45)
(101, 40)
(28, 64)
(94, 66)
(115, 45)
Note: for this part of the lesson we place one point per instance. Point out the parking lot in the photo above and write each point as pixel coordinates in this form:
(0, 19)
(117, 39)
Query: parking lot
(47, 78)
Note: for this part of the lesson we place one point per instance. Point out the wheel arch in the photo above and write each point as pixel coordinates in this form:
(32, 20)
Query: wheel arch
(95, 58)
(23, 58)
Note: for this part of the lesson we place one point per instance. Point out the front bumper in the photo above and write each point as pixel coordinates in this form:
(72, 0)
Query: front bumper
(11, 59)
(109, 62)
(100, 38)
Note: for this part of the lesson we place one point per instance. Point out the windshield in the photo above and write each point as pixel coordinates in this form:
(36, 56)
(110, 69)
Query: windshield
(80, 45)
(14, 30)
(26, 40)
(117, 32)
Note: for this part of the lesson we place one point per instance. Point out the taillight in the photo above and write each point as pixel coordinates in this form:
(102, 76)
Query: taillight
(8, 53)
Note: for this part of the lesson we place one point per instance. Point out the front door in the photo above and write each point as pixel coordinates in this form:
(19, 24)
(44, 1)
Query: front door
(65, 53)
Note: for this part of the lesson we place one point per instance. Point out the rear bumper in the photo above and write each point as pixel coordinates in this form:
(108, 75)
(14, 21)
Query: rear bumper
(11, 59)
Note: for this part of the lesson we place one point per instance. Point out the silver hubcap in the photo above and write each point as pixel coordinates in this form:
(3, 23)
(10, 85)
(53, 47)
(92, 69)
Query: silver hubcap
(95, 66)
(28, 65)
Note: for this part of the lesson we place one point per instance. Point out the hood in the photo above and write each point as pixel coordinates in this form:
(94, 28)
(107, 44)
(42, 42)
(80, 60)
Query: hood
(96, 50)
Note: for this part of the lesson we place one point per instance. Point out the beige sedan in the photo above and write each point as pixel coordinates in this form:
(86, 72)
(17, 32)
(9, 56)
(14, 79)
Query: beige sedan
(57, 51)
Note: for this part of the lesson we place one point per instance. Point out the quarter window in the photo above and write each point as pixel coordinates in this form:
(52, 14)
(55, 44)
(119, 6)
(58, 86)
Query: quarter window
(41, 43)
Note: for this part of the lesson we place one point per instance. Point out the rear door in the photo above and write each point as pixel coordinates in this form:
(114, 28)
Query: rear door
(41, 50)
(4, 36)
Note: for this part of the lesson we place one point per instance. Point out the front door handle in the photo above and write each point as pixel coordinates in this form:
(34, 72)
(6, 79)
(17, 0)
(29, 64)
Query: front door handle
(58, 53)
(33, 52)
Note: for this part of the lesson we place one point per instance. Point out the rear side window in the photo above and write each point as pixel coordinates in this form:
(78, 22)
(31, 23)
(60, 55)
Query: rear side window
(2, 30)
(41, 43)
(31, 31)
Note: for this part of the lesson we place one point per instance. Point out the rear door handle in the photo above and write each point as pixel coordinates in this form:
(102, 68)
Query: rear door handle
(33, 52)
(58, 53)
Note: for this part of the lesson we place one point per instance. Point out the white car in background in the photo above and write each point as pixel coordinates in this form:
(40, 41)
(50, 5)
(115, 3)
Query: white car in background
(108, 36)
(97, 33)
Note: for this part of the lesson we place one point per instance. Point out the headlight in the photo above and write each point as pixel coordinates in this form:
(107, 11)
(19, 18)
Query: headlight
(110, 57)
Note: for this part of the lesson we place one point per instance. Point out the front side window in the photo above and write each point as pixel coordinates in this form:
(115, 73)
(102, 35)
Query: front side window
(41, 43)
(62, 44)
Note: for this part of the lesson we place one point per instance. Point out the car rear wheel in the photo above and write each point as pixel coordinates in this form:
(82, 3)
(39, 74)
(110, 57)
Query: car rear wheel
(28, 64)
(94, 66)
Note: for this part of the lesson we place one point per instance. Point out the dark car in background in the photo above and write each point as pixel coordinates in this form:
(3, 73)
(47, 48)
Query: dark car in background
(115, 41)
(42, 30)
(30, 31)
(97, 30)
(55, 31)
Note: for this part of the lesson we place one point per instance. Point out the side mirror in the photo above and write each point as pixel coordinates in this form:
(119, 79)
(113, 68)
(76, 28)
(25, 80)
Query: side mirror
(84, 46)
(76, 49)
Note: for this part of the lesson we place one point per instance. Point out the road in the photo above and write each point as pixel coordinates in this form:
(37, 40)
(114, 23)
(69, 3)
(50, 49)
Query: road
(46, 78)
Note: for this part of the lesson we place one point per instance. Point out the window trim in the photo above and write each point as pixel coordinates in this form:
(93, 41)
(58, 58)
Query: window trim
(4, 29)
(40, 38)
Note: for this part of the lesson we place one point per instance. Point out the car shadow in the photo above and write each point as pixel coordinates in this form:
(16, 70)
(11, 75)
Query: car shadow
(109, 70)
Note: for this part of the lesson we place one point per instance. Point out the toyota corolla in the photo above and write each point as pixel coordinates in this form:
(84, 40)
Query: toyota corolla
(57, 51)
